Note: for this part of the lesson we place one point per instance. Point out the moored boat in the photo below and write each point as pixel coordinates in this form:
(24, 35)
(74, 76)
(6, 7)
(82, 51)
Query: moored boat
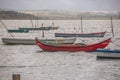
(108, 54)
(18, 41)
(18, 31)
(32, 41)
(98, 34)
(108, 51)
(40, 28)
(51, 27)
(72, 47)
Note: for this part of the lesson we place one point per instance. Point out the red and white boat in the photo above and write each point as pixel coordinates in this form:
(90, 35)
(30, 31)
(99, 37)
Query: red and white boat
(72, 47)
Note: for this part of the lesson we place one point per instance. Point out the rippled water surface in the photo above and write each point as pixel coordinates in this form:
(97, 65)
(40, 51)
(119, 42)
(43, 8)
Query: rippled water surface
(34, 64)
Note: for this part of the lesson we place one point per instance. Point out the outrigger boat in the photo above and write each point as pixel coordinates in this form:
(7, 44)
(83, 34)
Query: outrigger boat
(32, 41)
(72, 47)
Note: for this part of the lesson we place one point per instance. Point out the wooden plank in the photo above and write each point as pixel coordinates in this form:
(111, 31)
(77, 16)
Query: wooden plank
(16, 77)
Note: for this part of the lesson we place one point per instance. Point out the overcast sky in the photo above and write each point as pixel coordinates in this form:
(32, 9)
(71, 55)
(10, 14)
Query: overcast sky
(83, 5)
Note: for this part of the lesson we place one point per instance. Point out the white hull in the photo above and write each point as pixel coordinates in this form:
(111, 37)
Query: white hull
(108, 55)
(32, 41)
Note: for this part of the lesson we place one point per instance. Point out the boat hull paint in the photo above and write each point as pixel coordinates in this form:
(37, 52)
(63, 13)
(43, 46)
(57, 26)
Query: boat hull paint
(108, 55)
(18, 41)
(93, 47)
(108, 51)
(41, 28)
(32, 41)
(18, 31)
(100, 34)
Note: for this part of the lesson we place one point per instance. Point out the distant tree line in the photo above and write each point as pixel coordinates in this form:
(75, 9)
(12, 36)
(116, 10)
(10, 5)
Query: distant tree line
(53, 16)
(18, 15)
(15, 15)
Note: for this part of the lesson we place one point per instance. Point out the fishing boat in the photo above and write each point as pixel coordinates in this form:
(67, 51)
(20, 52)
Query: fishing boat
(18, 41)
(47, 28)
(14, 30)
(52, 27)
(32, 41)
(107, 53)
(98, 34)
(72, 47)
(41, 28)
(82, 34)
(18, 31)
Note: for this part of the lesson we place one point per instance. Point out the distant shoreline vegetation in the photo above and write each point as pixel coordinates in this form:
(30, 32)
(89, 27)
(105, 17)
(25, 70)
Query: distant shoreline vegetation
(55, 15)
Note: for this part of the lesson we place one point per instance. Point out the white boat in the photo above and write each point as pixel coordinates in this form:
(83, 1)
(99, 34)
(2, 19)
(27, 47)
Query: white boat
(32, 41)
(108, 55)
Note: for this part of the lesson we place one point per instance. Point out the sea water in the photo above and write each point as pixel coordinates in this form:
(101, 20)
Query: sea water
(32, 63)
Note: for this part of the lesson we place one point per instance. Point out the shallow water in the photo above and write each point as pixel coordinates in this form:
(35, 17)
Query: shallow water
(34, 64)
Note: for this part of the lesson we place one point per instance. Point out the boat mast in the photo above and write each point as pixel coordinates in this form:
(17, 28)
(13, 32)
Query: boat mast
(53, 24)
(6, 27)
(38, 19)
(81, 26)
(42, 31)
(112, 27)
(32, 23)
(118, 14)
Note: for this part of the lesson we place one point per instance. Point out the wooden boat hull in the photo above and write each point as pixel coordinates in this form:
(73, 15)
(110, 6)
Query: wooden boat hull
(18, 31)
(100, 34)
(32, 41)
(18, 41)
(66, 47)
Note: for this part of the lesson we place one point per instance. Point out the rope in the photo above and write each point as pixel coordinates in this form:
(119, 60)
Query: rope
(6, 28)
(115, 44)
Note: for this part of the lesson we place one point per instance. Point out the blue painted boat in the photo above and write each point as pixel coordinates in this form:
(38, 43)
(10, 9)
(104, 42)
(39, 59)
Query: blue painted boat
(108, 51)
(108, 54)
(98, 34)
(18, 31)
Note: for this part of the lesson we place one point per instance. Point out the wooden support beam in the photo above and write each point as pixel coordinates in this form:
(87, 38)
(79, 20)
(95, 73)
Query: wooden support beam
(16, 77)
